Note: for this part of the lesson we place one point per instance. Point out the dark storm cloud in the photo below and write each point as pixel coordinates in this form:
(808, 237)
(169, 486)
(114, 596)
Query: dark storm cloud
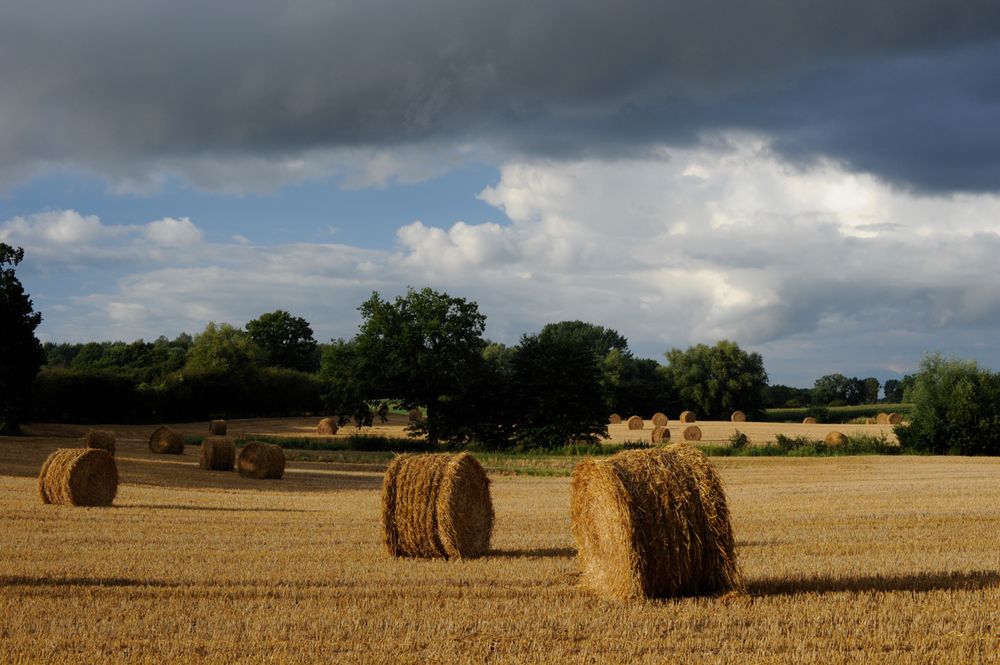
(903, 89)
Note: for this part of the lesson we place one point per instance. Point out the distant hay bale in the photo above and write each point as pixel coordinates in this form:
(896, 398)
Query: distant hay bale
(166, 441)
(692, 433)
(217, 428)
(635, 422)
(835, 439)
(261, 460)
(660, 434)
(895, 418)
(436, 506)
(882, 418)
(614, 419)
(659, 419)
(218, 453)
(871, 421)
(808, 420)
(653, 523)
(99, 438)
(327, 427)
(687, 417)
(416, 416)
(738, 417)
(79, 477)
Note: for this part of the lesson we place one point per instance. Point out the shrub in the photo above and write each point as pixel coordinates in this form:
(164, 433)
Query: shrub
(739, 440)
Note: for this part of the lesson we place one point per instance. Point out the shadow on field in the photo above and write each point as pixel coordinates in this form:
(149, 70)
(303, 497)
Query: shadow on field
(541, 552)
(923, 582)
(179, 506)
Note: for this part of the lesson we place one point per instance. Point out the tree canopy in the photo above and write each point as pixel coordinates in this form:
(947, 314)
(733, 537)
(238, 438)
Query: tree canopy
(21, 353)
(716, 380)
(286, 340)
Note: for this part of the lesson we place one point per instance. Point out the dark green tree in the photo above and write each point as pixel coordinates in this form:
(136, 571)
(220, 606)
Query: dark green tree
(222, 348)
(346, 387)
(870, 390)
(714, 381)
(21, 354)
(287, 341)
(832, 389)
(598, 338)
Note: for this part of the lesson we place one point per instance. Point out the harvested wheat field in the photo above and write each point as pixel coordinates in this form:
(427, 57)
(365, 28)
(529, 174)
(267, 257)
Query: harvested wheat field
(851, 559)
(719, 431)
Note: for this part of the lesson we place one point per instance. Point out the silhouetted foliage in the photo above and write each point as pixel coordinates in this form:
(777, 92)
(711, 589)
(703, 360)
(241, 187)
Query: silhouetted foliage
(21, 353)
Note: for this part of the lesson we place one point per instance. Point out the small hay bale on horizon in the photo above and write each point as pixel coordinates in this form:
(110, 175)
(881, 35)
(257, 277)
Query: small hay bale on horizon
(660, 419)
(882, 418)
(653, 523)
(327, 427)
(808, 420)
(166, 441)
(436, 505)
(895, 418)
(79, 477)
(614, 419)
(217, 428)
(660, 434)
(218, 453)
(100, 438)
(687, 417)
(261, 461)
(635, 422)
(835, 439)
(692, 433)
(738, 417)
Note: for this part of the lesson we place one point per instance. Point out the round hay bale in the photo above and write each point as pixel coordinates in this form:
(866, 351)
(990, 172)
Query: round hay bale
(218, 453)
(808, 420)
(653, 523)
(659, 419)
(261, 460)
(217, 428)
(327, 427)
(436, 506)
(835, 439)
(79, 477)
(416, 416)
(882, 418)
(660, 434)
(614, 419)
(692, 433)
(635, 422)
(738, 417)
(687, 417)
(895, 418)
(166, 441)
(99, 438)
(870, 421)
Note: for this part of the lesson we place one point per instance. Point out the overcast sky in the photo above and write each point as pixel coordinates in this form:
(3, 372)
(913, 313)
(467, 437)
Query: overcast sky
(818, 181)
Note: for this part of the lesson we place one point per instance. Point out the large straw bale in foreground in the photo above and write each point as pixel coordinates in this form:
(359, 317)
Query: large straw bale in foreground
(653, 523)
(166, 441)
(261, 460)
(660, 419)
(217, 428)
(835, 439)
(436, 505)
(99, 438)
(218, 453)
(692, 433)
(327, 427)
(614, 419)
(79, 477)
(660, 434)
(738, 417)
(635, 422)
(687, 417)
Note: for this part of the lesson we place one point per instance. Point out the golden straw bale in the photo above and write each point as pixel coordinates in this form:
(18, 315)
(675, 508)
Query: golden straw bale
(261, 460)
(79, 477)
(660, 434)
(416, 415)
(659, 419)
(614, 419)
(217, 428)
(895, 418)
(808, 420)
(218, 453)
(835, 439)
(692, 433)
(738, 417)
(871, 421)
(166, 441)
(882, 418)
(635, 422)
(687, 417)
(653, 523)
(436, 506)
(99, 438)
(327, 427)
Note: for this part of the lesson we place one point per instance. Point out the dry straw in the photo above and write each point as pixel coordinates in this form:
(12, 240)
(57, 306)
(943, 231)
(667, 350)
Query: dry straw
(166, 441)
(635, 422)
(99, 438)
(327, 427)
(261, 460)
(660, 434)
(217, 428)
(659, 419)
(835, 439)
(687, 417)
(882, 418)
(895, 418)
(738, 417)
(416, 415)
(218, 453)
(614, 419)
(808, 420)
(79, 477)
(692, 433)
(436, 505)
(652, 524)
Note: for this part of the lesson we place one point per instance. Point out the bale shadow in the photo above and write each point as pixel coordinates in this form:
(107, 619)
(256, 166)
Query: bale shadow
(542, 552)
(918, 582)
(180, 506)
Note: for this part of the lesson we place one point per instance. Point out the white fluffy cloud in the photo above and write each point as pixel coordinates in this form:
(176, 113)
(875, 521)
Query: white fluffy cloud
(171, 232)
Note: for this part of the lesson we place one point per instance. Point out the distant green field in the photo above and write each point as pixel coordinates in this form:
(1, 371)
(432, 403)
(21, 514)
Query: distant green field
(835, 414)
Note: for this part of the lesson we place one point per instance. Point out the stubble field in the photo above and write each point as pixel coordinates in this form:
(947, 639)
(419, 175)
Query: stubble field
(851, 559)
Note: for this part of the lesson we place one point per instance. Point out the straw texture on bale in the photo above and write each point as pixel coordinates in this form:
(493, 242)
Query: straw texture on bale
(614, 419)
(436, 506)
(882, 418)
(692, 433)
(327, 427)
(808, 420)
(416, 416)
(635, 422)
(687, 417)
(79, 477)
(660, 434)
(738, 417)
(895, 418)
(261, 460)
(99, 438)
(653, 523)
(217, 428)
(835, 439)
(659, 419)
(218, 453)
(166, 441)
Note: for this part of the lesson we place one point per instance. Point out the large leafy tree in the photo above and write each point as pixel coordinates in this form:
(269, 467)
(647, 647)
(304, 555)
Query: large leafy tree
(21, 353)
(716, 380)
(222, 348)
(286, 340)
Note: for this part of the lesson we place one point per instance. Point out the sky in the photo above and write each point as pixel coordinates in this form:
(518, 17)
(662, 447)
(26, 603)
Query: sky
(819, 182)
